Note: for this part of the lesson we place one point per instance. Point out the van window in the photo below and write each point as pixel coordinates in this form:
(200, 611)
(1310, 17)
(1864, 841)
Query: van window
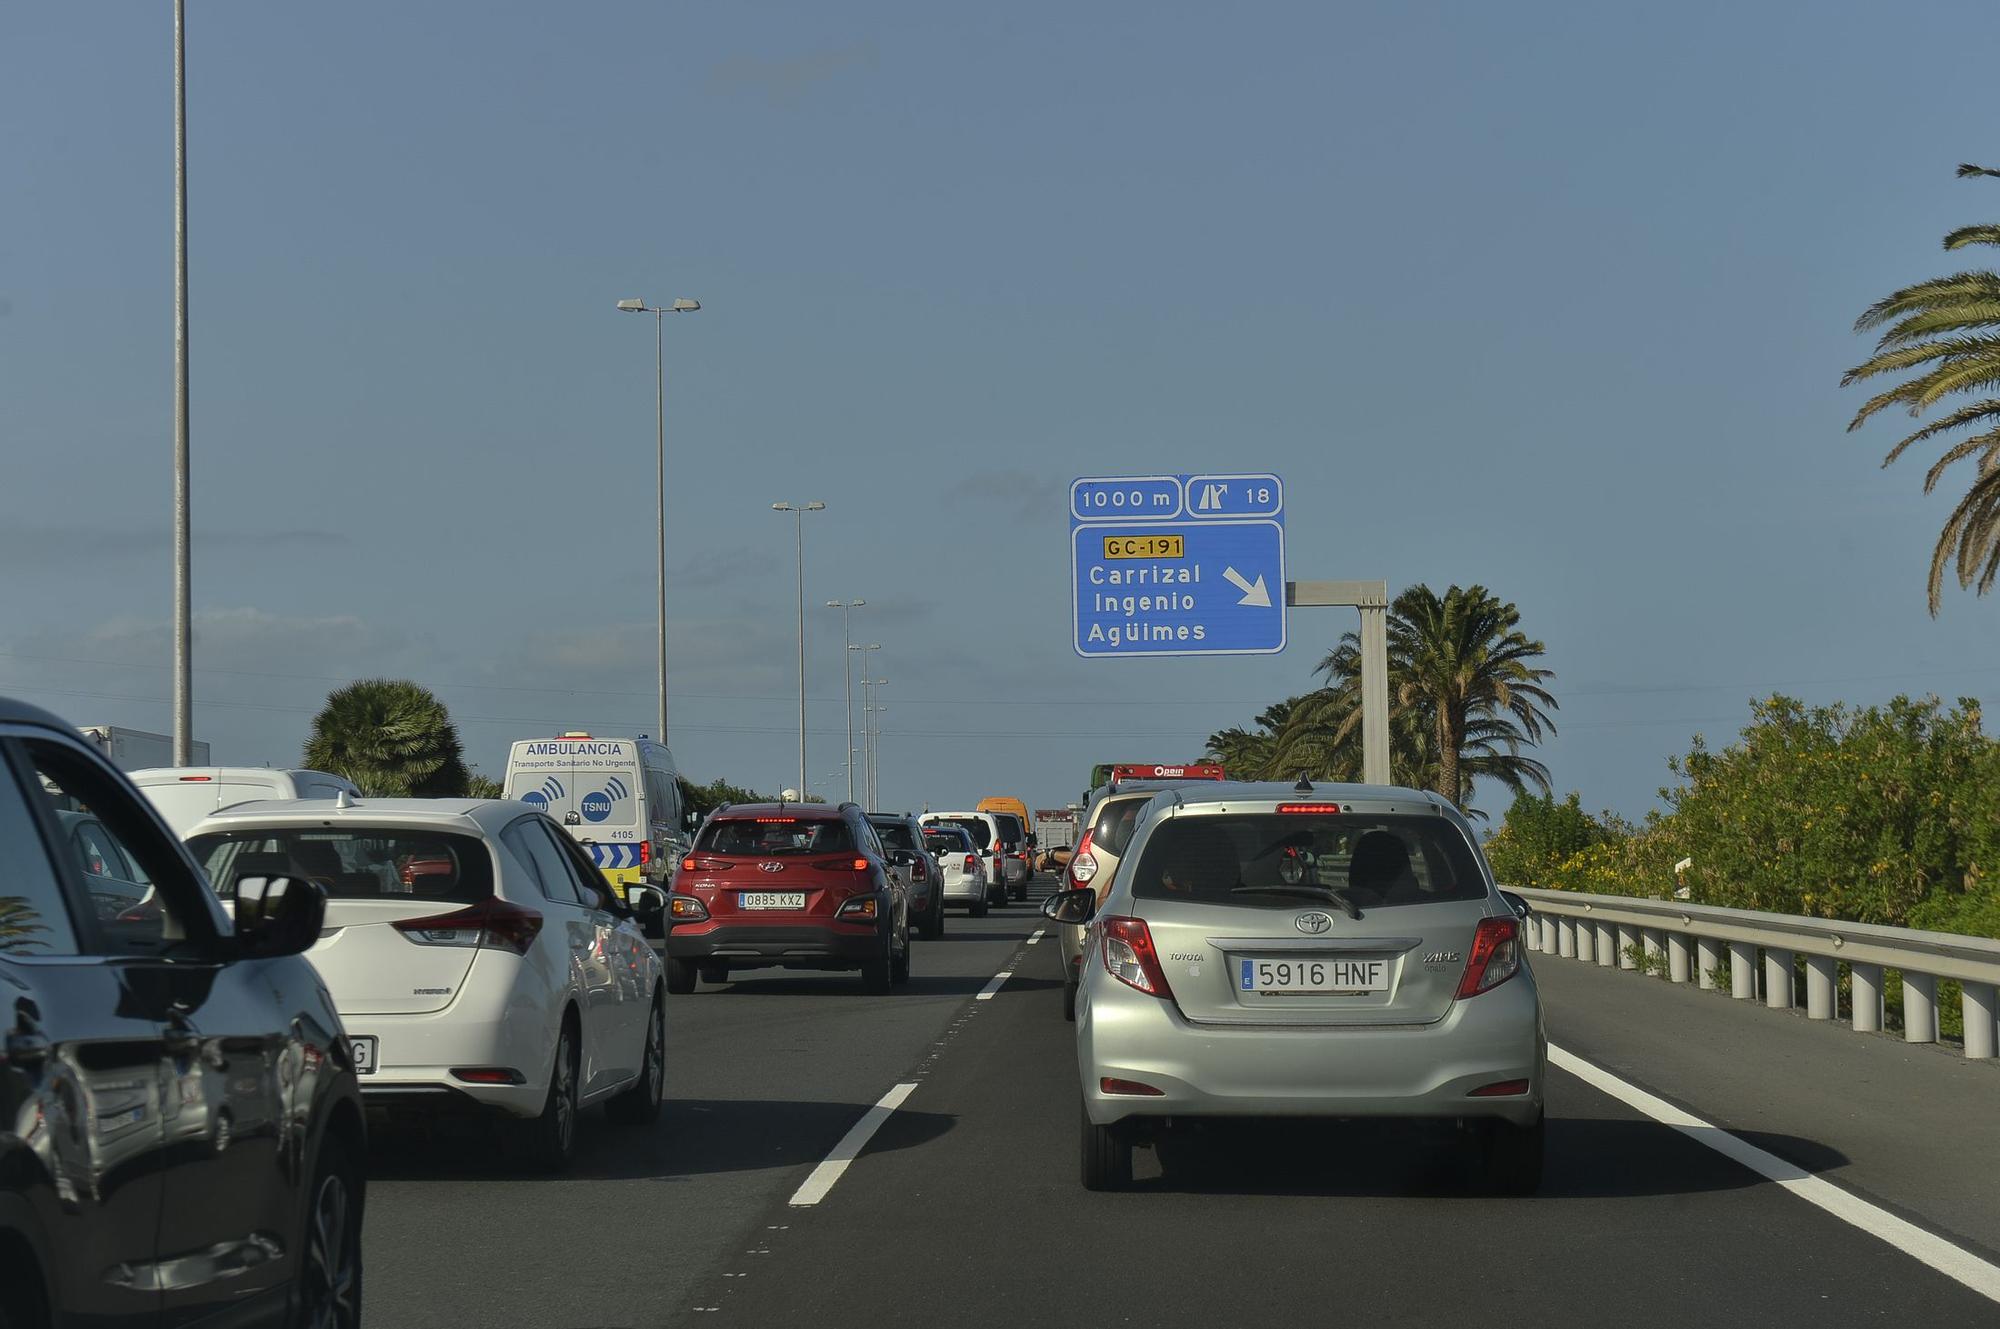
(1011, 831)
(977, 828)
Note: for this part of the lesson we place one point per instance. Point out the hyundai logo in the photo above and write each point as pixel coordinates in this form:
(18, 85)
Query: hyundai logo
(770, 867)
(1314, 923)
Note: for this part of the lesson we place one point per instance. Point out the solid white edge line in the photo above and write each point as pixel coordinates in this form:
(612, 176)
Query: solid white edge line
(999, 979)
(1926, 1248)
(820, 1182)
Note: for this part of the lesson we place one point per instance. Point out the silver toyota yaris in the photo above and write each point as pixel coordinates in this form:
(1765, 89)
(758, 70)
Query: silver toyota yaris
(1273, 950)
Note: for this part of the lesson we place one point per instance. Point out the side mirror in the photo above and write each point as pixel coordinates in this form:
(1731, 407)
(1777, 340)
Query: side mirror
(646, 902)
(278, 916)
(1072, 907)
(901, 858)
(1517, 903)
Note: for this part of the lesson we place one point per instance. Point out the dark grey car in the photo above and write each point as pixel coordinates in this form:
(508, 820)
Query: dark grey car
(181, 1136)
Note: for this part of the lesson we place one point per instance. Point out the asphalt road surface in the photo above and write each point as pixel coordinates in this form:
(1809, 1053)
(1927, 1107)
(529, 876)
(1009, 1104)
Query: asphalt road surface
(964, 1207)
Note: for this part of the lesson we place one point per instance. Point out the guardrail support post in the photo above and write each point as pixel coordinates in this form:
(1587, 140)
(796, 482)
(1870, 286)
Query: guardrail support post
(1566, 938)
(1778, 980)
(1822, 987)
(1979, 1030)
(1866, 980)
(1677, 957)
(1626, 941)
(1919, 1008)
(1742, 971)
(1707, 962)
(1607, 945)
(1586, 940)
(1551, 931)
(1656, 951)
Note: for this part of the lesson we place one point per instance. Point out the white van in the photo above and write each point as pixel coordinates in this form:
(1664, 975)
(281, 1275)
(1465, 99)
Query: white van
(186, 794)
(620, 798)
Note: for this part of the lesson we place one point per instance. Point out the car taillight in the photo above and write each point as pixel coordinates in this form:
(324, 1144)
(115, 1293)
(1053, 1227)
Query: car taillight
(859, 865)
(645, 852)
(686, 909)
(687, 864)
(1082, 864)
(918, 872)
(493, 923)
(861, 906)
(1495, 957)
(1130, 958)
(971, 863)
(1308, 809)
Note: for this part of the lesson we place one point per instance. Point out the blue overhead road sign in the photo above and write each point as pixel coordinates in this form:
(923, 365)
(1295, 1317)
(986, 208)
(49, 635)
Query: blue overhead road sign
(1178, 565)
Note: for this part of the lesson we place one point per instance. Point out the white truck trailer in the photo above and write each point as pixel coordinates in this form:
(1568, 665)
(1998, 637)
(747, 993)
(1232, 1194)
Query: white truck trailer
(136, 749)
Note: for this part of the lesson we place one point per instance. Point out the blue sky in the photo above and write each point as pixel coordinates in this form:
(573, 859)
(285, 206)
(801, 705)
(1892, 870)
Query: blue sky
(1551, 297)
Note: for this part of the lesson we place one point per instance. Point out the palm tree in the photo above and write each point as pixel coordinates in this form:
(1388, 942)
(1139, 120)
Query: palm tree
(391, 737)
(1950, 328)
(1246, 753)
(1464, 699)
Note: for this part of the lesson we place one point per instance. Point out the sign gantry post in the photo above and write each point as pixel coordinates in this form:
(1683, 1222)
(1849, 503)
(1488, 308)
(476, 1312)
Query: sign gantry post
(1372, 599)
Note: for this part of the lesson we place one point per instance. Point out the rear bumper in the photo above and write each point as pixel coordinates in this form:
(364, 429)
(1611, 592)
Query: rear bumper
(1213, 1070)
(966, 890)
(795, 946)
(415, 1055)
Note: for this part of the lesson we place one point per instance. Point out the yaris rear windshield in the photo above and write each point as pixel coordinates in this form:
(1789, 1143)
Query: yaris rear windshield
(774, 837)
(1279, 860)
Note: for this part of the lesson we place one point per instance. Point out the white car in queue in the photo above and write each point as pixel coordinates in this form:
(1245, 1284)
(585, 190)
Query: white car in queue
(477, 959)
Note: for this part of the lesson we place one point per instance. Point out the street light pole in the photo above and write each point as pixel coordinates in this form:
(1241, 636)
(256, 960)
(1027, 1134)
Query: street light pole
(875, 745)
(183, 572)
(867, 739)
(660, 466)
(799, 511)
(847, 669)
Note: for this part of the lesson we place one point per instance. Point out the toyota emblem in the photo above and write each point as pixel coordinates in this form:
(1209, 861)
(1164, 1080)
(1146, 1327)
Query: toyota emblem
(780, 867)
(1313, 923)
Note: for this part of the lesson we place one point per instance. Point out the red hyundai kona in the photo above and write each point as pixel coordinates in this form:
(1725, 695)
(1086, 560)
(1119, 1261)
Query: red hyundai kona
(789, 886)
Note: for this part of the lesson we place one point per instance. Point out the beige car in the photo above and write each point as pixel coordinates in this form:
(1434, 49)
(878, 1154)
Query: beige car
(1107, 830)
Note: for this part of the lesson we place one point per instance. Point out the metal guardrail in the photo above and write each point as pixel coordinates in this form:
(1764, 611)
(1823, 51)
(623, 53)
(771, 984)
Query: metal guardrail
(1684, 942)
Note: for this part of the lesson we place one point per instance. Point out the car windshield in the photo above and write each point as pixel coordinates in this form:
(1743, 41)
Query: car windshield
(352, 863)
(774, 837)
(975, 829)
(895, 835)
(1011, 833)
(1276, 859)
(1115, 822)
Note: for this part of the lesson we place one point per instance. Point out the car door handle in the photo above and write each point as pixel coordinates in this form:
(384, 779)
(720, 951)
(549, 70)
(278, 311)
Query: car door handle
(27, 1047)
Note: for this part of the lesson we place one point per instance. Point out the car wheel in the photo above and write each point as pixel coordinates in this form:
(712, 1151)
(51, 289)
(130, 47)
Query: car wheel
(899, 960)
(680, 976)
(875, 976)
(640, 1105)
(1512, 1157)
(549, 1140)
(1069, 1001)
(934, 920)
(715, 973)
(329, 1277)
(1107, 1157)
(977, 908)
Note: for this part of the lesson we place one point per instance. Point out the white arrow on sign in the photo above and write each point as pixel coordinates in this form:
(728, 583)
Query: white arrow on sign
(1254, 593)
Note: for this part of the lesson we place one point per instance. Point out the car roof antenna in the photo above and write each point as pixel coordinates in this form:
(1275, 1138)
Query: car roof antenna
(1304, 786)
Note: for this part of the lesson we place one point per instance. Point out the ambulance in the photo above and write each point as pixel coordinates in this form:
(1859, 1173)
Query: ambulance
(620, 798)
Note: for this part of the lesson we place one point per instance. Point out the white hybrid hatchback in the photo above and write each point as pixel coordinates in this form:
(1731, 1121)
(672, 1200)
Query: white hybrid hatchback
(477, 958)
